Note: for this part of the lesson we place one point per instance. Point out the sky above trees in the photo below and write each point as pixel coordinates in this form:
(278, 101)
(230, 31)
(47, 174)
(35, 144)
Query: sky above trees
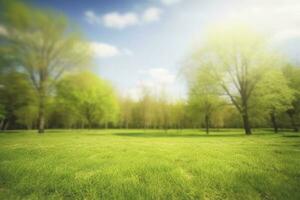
(144, 43)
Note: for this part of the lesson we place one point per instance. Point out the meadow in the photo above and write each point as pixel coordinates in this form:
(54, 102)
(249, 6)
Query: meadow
(151, 164)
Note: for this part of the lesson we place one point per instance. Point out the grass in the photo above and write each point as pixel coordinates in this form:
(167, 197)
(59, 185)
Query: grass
(133, 164)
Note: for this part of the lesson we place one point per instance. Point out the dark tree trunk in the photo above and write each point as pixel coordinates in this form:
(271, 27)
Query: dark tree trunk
(1, 124)
(6, 125)
(291, 115)
(247, 126)
(207, 124)
(274, 122)
(41, 116)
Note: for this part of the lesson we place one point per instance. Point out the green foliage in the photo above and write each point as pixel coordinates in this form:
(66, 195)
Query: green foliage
(133, 164)
(40, 41)
(27, 116)
(204, 97)
(15, 93)
(86, 96)
(239, 62)
(292, 74)
(273, 95)
(43, 44)
(2, 112)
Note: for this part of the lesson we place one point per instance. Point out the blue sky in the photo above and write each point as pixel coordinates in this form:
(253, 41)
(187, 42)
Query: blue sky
(144, 42)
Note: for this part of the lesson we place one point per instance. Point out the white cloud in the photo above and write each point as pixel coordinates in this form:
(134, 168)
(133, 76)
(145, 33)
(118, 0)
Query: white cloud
(170, 2)
(91, 17)
(104, 50)
(152, 14)
(120, 21)
(3, 30)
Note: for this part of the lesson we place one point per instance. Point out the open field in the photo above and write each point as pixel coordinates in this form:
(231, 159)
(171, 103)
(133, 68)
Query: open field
(133, 164)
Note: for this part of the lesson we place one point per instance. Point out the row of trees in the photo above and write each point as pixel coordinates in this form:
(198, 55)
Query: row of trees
(80, 100)
(83, 100)
(234, 80)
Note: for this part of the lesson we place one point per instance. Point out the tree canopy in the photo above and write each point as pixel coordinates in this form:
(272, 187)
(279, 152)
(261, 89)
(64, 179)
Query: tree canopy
(43, 44)
(238, 60)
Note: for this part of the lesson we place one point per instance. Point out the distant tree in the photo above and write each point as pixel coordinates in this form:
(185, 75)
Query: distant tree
(145, 107)
(42, 43)
(273, 97)
(15, 94)
(178, 114)
(126, 108)
(93, 98)
(292, 74)
(27, 116)
(237, 59)
(204, 96)
(2, 115)
(164, 110)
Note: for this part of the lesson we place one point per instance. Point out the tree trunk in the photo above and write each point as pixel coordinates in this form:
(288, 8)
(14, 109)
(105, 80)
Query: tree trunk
(246, 123)
(90, 124)
(41, 116)
(274, 122)
(291, 115)
(6, 125)
(1, 124)
(207, 124)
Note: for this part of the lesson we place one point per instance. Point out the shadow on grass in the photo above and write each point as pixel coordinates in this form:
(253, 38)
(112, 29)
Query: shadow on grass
(149, 134)
(292, 136)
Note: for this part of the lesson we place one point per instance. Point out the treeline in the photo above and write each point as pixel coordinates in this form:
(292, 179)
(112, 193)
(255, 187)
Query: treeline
(234, 80)
(83, 100)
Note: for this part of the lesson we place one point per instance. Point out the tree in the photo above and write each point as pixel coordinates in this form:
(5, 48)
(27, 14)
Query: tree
(237, 59)
(273, 97)
(126, 107)
(178, 114)
(27, 116)
(292, 74)
(204, 96)
(90, 96)
(42, 43)
(145, 106)
(164, 110)
(15, 93)
(2, 116)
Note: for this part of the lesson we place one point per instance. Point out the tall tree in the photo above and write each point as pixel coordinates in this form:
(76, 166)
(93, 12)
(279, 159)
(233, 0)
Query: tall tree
(43, 44)
(237, 59)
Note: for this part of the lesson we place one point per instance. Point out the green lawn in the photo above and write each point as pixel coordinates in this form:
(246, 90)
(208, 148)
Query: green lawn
(133, 164)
